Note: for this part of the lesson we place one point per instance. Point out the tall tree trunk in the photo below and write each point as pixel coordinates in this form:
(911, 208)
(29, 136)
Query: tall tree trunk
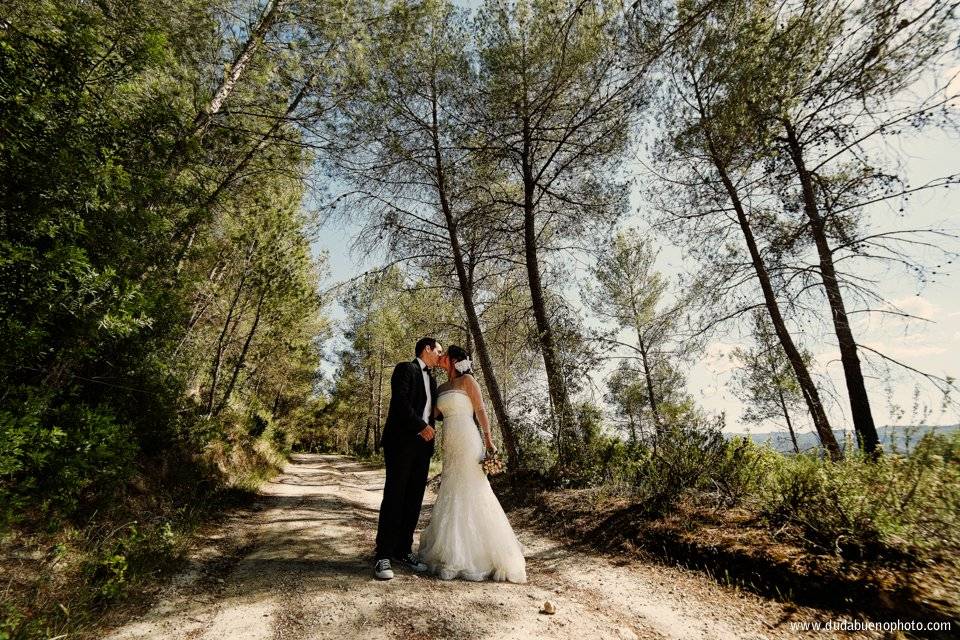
(786, 416)
(810, 393)
(856, 387)
(648, 374)
(218, 355)
(556, 381)
(809, 389)
(271, 12)
(466, 292)
(241, 360)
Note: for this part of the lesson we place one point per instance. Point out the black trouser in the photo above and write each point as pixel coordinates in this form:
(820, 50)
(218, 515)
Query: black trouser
(407, 468)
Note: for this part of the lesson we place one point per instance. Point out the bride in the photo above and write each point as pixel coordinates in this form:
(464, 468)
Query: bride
(469, 535)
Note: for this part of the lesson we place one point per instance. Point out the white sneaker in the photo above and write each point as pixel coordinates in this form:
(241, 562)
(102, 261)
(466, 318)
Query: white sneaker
(382, 570)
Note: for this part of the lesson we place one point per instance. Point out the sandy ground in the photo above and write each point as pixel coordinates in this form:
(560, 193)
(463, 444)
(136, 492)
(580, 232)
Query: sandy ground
(299, 566)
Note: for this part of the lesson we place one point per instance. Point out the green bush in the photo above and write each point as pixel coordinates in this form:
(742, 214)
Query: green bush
(258, 424)
(904, 505)
(605, 461)
(738, 474)
(687, 453)
(128, 552)
(589, 458)
(683, 459)
(59, 454)
(536, 451)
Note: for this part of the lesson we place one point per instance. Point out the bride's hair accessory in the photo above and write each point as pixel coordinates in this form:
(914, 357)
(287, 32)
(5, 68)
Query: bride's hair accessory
(461, 359)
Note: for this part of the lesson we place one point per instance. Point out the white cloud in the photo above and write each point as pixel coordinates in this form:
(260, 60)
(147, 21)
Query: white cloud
(918, 306)
(910, 351)
(717, 357)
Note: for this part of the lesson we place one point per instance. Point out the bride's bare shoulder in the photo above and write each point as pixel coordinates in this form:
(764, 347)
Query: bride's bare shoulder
(468, 383)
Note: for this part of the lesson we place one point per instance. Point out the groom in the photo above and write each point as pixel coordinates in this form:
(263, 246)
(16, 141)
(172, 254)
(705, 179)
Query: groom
(407, 446)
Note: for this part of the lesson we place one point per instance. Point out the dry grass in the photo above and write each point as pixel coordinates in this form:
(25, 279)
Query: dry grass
(62, 576)
(736, 546)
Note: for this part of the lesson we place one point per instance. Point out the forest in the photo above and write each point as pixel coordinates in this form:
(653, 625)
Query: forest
(172, 331)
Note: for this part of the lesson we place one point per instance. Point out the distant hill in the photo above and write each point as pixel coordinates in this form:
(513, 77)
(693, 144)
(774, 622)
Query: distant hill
(902, 438)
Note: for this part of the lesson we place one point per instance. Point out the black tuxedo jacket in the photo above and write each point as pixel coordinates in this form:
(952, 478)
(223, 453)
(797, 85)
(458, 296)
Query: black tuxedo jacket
(407, 400)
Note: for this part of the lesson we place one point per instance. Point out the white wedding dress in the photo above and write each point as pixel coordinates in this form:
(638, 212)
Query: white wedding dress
(469, 535)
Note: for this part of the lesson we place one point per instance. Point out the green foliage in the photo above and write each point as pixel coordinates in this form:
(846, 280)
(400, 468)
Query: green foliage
(899, 505)
(590, 459)
(159, 307)
(537, 453)
(83, 121)
(147, 283)
(737, 476)
(77, 448)
(688, 455)
(688, 452)
(605, 461)
(127, 551)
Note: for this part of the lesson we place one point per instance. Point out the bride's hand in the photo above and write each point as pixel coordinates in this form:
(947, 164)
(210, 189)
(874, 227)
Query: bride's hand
(491, 449)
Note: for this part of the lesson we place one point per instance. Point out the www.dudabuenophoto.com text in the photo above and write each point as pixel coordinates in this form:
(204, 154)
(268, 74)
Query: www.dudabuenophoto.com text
(870, 625)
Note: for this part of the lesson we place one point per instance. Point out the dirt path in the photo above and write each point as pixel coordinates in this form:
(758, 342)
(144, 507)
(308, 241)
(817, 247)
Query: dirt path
(299, 566)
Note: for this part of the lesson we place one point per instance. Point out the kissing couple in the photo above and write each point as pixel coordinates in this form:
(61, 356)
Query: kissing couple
(468, 536)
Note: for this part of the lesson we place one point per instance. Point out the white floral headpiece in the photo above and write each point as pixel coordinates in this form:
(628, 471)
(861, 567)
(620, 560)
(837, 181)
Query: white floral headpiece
(463, 366)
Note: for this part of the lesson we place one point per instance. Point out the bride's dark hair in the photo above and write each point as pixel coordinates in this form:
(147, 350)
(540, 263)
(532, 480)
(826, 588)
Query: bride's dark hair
(457, 354)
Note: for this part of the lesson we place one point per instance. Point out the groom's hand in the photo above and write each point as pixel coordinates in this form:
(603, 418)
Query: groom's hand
(427, 433)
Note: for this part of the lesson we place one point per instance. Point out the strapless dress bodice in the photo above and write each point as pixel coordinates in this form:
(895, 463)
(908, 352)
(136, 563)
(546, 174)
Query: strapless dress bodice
(454, 402)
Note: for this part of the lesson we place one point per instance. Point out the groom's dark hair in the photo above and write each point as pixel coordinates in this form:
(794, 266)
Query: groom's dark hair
(422, 344)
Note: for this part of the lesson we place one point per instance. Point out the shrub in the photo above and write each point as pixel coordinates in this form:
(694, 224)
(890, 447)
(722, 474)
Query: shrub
(52, 457)
(536, 452)
(588, 455)
(898, 505)
(605, 460)
(128, 552)
(688, 453)
(682, 459)
(738, 474)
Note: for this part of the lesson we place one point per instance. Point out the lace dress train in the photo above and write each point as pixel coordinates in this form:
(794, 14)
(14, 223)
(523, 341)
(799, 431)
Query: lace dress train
(469, 535)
